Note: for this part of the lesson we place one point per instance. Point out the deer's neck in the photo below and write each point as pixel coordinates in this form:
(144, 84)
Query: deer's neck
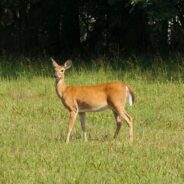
(60, 87)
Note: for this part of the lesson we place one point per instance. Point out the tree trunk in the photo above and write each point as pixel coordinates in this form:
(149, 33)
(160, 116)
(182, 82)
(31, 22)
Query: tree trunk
(70, 34)
(23, 26)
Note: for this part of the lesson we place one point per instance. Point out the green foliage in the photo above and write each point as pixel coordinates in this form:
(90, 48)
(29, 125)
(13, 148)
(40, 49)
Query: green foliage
(43, 27)
(163, 10)
(33, 124)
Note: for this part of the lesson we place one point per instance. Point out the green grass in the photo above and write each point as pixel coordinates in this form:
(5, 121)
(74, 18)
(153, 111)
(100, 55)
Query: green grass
(33, 126)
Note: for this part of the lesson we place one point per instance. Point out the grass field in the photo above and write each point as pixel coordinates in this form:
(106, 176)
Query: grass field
(33, 126)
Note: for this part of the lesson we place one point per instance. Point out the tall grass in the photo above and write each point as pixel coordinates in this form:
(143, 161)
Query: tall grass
(146, 68)
(33, 124)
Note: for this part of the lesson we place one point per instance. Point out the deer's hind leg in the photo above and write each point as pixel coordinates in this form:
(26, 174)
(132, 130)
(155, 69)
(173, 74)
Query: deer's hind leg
(123, 115)
(118, 124)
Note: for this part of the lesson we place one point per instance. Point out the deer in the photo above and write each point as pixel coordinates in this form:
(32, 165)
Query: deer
(82, 99)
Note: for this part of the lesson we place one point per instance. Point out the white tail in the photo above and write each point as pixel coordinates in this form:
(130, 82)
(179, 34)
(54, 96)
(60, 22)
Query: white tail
(82, 99)
(130, 96)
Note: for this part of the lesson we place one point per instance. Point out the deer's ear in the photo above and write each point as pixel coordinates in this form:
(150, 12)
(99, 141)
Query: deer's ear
(54, 63)
(68, 64)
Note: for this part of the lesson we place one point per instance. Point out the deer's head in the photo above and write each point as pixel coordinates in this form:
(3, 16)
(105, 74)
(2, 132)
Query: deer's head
(60, 69)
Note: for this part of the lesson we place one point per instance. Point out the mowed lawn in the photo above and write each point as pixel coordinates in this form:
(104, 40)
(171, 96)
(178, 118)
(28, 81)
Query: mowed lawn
(33, 128)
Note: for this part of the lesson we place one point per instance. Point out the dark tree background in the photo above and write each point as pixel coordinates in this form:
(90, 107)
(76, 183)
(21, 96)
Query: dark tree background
(54, 27)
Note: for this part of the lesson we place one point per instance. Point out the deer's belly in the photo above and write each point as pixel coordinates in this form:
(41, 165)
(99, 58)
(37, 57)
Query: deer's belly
(94, 109)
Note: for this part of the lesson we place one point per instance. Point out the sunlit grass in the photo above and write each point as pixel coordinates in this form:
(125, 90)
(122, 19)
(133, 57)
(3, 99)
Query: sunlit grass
(33, 126)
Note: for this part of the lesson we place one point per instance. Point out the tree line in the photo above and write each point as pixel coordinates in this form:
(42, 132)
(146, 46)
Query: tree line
(52, 27)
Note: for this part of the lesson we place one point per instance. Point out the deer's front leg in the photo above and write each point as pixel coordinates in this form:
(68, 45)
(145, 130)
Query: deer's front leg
(83, 124)
(73, 115)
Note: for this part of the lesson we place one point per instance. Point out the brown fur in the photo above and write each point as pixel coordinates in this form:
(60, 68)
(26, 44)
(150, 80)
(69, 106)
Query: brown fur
(81, 99)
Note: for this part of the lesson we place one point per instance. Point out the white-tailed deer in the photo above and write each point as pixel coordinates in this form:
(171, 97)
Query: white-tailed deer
(82, 99)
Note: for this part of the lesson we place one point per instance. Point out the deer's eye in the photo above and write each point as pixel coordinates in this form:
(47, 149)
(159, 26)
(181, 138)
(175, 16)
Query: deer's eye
(62, 71)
